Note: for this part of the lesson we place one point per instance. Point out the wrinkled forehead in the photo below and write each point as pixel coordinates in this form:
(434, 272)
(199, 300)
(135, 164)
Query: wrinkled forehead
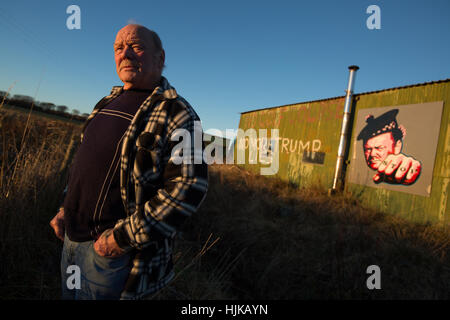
(133, 34)
(384, 139)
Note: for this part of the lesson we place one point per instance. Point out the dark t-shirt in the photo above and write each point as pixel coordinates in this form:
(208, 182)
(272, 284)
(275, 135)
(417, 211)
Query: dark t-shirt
(93, 202)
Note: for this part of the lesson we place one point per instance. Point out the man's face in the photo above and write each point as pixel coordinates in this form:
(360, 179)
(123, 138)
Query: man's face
(137, 63)
(376, 149)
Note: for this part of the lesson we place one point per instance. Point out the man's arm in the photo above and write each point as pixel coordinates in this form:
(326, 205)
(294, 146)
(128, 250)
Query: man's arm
(185, 187)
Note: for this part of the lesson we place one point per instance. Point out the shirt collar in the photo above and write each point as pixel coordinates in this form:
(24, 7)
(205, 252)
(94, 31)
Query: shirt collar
(163, 91)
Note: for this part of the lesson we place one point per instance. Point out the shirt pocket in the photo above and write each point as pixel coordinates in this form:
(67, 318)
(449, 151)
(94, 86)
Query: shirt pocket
(147, 164)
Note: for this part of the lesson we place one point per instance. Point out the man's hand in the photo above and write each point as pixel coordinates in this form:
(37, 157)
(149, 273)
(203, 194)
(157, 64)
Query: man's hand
(399, 169)
(106, 245)
(57, 223)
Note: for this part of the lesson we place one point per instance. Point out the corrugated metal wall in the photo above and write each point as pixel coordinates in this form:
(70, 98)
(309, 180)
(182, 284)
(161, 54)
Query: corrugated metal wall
(414, 207)
(309, 138)
(303, 128)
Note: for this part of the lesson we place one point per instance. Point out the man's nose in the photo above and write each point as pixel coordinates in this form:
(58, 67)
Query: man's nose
(374, 153)
(127, 52)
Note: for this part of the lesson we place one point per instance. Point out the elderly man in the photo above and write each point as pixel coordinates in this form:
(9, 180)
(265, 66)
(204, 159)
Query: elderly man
(382, 144)
(125, 197)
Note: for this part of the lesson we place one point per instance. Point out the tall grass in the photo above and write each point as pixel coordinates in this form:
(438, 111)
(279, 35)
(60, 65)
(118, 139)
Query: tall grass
(253, 237)
(33, 175)
(279, 242)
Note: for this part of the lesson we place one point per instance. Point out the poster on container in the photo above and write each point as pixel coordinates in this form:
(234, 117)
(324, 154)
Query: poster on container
(395, 147)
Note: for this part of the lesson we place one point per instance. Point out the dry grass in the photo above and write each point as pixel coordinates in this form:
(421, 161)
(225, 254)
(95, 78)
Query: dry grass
(32, 178)
(284, 243)
(253, 238)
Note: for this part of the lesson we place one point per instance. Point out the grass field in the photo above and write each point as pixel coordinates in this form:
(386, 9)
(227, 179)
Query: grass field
(253, 238)
(34, 161)
(40, 114)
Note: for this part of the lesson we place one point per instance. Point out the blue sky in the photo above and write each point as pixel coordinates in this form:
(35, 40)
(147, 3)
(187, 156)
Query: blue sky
(226, 57)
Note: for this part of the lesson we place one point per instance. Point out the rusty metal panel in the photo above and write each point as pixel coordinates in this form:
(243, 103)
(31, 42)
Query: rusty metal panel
(308, 139)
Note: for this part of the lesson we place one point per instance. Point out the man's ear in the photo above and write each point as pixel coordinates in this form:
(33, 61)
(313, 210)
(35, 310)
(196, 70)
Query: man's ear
(398, 146)
(162, 59)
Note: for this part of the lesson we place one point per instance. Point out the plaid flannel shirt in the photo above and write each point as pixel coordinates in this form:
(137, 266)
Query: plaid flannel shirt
(157, 194)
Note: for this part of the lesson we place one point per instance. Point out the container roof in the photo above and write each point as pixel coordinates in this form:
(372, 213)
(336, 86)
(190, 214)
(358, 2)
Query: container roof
(355, 94)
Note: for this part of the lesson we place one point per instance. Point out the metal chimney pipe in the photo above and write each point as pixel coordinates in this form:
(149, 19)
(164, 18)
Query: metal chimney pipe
(344, 129)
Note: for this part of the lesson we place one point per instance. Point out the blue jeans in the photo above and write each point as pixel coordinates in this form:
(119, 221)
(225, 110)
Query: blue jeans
(101, 278)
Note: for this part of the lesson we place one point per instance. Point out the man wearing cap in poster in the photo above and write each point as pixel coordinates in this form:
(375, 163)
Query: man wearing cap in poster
(382, 143)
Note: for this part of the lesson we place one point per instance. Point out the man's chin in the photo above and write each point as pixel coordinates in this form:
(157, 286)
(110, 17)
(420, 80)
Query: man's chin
(373, 165)
(128, 75)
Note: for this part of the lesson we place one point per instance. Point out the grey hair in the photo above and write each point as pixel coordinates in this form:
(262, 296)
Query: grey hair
(157, 44)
